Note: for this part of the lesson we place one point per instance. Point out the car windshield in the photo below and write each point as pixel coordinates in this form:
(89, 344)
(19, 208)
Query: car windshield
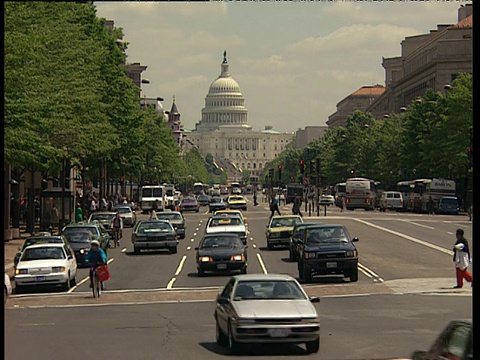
(449, 201)
(102, 217)
(223, 242)
(123, 210)
(327, 235)
(167, 216)
(152, 227)
(43, 253)
(236, 198)
(285, 222)
(78, 236)
(42, 240)
(189, 200)
(268, 290)
(91, 229)
(216, 200)
(225, 221)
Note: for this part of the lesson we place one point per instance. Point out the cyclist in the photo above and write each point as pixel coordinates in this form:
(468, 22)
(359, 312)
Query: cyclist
(117, 226)
(95, 257)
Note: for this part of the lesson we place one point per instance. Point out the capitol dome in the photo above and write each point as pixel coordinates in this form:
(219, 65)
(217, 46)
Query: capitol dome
(224, 103)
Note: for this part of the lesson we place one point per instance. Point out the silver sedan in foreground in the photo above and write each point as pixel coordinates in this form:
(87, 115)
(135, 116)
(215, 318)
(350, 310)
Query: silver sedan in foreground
(266, 308)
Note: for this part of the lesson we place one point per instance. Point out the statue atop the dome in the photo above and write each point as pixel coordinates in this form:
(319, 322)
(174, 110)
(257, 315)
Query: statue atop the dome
(225, 57)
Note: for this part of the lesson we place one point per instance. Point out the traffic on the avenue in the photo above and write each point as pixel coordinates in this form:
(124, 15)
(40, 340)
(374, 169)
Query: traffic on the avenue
(403, 259)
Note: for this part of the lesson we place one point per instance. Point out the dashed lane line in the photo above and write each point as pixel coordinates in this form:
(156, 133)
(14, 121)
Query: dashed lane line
(262, 264)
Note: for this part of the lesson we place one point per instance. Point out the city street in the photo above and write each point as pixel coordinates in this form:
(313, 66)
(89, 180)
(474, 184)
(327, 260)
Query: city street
(402, 299)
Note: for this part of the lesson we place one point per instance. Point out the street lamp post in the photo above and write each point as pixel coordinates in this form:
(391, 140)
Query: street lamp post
(63, 177)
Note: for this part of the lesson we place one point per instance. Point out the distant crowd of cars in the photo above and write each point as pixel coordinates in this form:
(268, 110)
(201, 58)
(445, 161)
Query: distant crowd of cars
(214, 203)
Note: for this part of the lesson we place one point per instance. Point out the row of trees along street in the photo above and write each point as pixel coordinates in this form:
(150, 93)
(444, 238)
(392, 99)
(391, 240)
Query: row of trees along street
(432, 137)
(68, 102)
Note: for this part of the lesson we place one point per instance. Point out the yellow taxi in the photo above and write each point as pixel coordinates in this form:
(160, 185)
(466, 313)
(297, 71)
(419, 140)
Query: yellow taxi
(280, 228)
(237, 202)
(231, 211)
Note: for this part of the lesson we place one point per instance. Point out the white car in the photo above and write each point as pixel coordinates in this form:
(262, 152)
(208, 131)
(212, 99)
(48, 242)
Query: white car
(227, 223)
(327, 200)
(46, 265)
(8, 287)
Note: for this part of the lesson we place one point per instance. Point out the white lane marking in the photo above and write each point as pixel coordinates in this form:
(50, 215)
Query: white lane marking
(192, 240)
(415, 240)
(38, 324)
(194, 234)
(180, 266)
(262, 264)
(124, 250)
(364, 269)
(449, 232)
(254, 246)
(414, 223)
(189, 247)
(84, 280)
(170, 283)
(251, 239)
(196, 229)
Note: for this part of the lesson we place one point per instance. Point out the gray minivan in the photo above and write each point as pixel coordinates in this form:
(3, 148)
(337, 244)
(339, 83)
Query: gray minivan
(391, 200)
(448, 205)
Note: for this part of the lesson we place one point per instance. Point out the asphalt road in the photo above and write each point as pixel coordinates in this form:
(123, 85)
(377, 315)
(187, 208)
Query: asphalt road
(402, 299)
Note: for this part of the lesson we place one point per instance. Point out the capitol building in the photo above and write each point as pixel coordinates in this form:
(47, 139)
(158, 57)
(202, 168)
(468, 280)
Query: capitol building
(225, 133)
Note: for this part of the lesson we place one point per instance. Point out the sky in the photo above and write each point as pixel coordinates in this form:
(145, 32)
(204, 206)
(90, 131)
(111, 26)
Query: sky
(294, 61)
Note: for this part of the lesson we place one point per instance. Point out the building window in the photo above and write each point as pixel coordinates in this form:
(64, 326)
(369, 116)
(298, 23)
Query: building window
(254, 165)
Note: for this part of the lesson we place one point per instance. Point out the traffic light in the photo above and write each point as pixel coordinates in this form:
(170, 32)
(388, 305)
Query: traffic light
(302, 167)
(312, 167)
(280, 167)
(270, 173)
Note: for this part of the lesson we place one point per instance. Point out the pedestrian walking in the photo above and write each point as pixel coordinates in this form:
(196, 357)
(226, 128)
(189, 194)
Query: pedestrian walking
(155, 206)
(430, 205)
(297, 205)
(274, 207)
(461, 259)
(255, 203)
(342, 203)
(78, 212)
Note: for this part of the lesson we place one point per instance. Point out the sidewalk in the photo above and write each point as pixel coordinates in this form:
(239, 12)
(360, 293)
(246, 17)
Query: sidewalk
(11, 249)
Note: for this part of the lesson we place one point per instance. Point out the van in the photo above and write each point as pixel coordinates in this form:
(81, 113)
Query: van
(391, 200)
(448, 205)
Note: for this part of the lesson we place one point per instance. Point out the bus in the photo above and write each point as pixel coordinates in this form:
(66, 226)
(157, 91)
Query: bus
(406, 188)
(293, 190)
(339, 189)
(170, 198)
(235, 185)
(435, 189)
(360, 194)
(198, 188)
(149, 194)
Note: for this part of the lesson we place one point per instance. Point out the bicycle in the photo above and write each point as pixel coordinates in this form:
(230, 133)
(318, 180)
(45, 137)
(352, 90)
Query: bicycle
(116, 237)
(96, 283)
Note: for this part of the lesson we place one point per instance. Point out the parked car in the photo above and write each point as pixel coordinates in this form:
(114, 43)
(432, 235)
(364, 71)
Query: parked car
(237, 202)
(221, 252)
(43, 238)
(448, 205)
(189, 204)
(327, 249)
(217, 203)
(7, 287)
(105, 218)
(203, 200)
(326, 200)
(391, 200)
(227, 223)
(128, 216)
(46, 264)
(279, 229)
(154, 234)
(97, 230)
(454, 342)
(266, 308)
(176, 219)
(297, 234)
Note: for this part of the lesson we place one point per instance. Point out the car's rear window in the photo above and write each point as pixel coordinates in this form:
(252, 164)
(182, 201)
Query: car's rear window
(43, 253)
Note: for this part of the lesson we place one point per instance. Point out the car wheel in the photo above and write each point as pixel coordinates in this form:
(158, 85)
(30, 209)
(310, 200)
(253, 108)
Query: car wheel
(269, 246)
(354, 275)
(18, 289)
(136, 250)
(67, 284)
(244, 270)
(291, 256)
(173, 250)
(73, 282)
(232, 343)
(201, 273)
(313, 346)
(221, 338)
(305, 275)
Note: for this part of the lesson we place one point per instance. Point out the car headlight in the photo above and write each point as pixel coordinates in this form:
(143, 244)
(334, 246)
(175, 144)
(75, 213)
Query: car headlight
(237, 258)
(21, 271)
(57, 269)
(205, 259)
(351, 253)
(83, 251)
(309, 255)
